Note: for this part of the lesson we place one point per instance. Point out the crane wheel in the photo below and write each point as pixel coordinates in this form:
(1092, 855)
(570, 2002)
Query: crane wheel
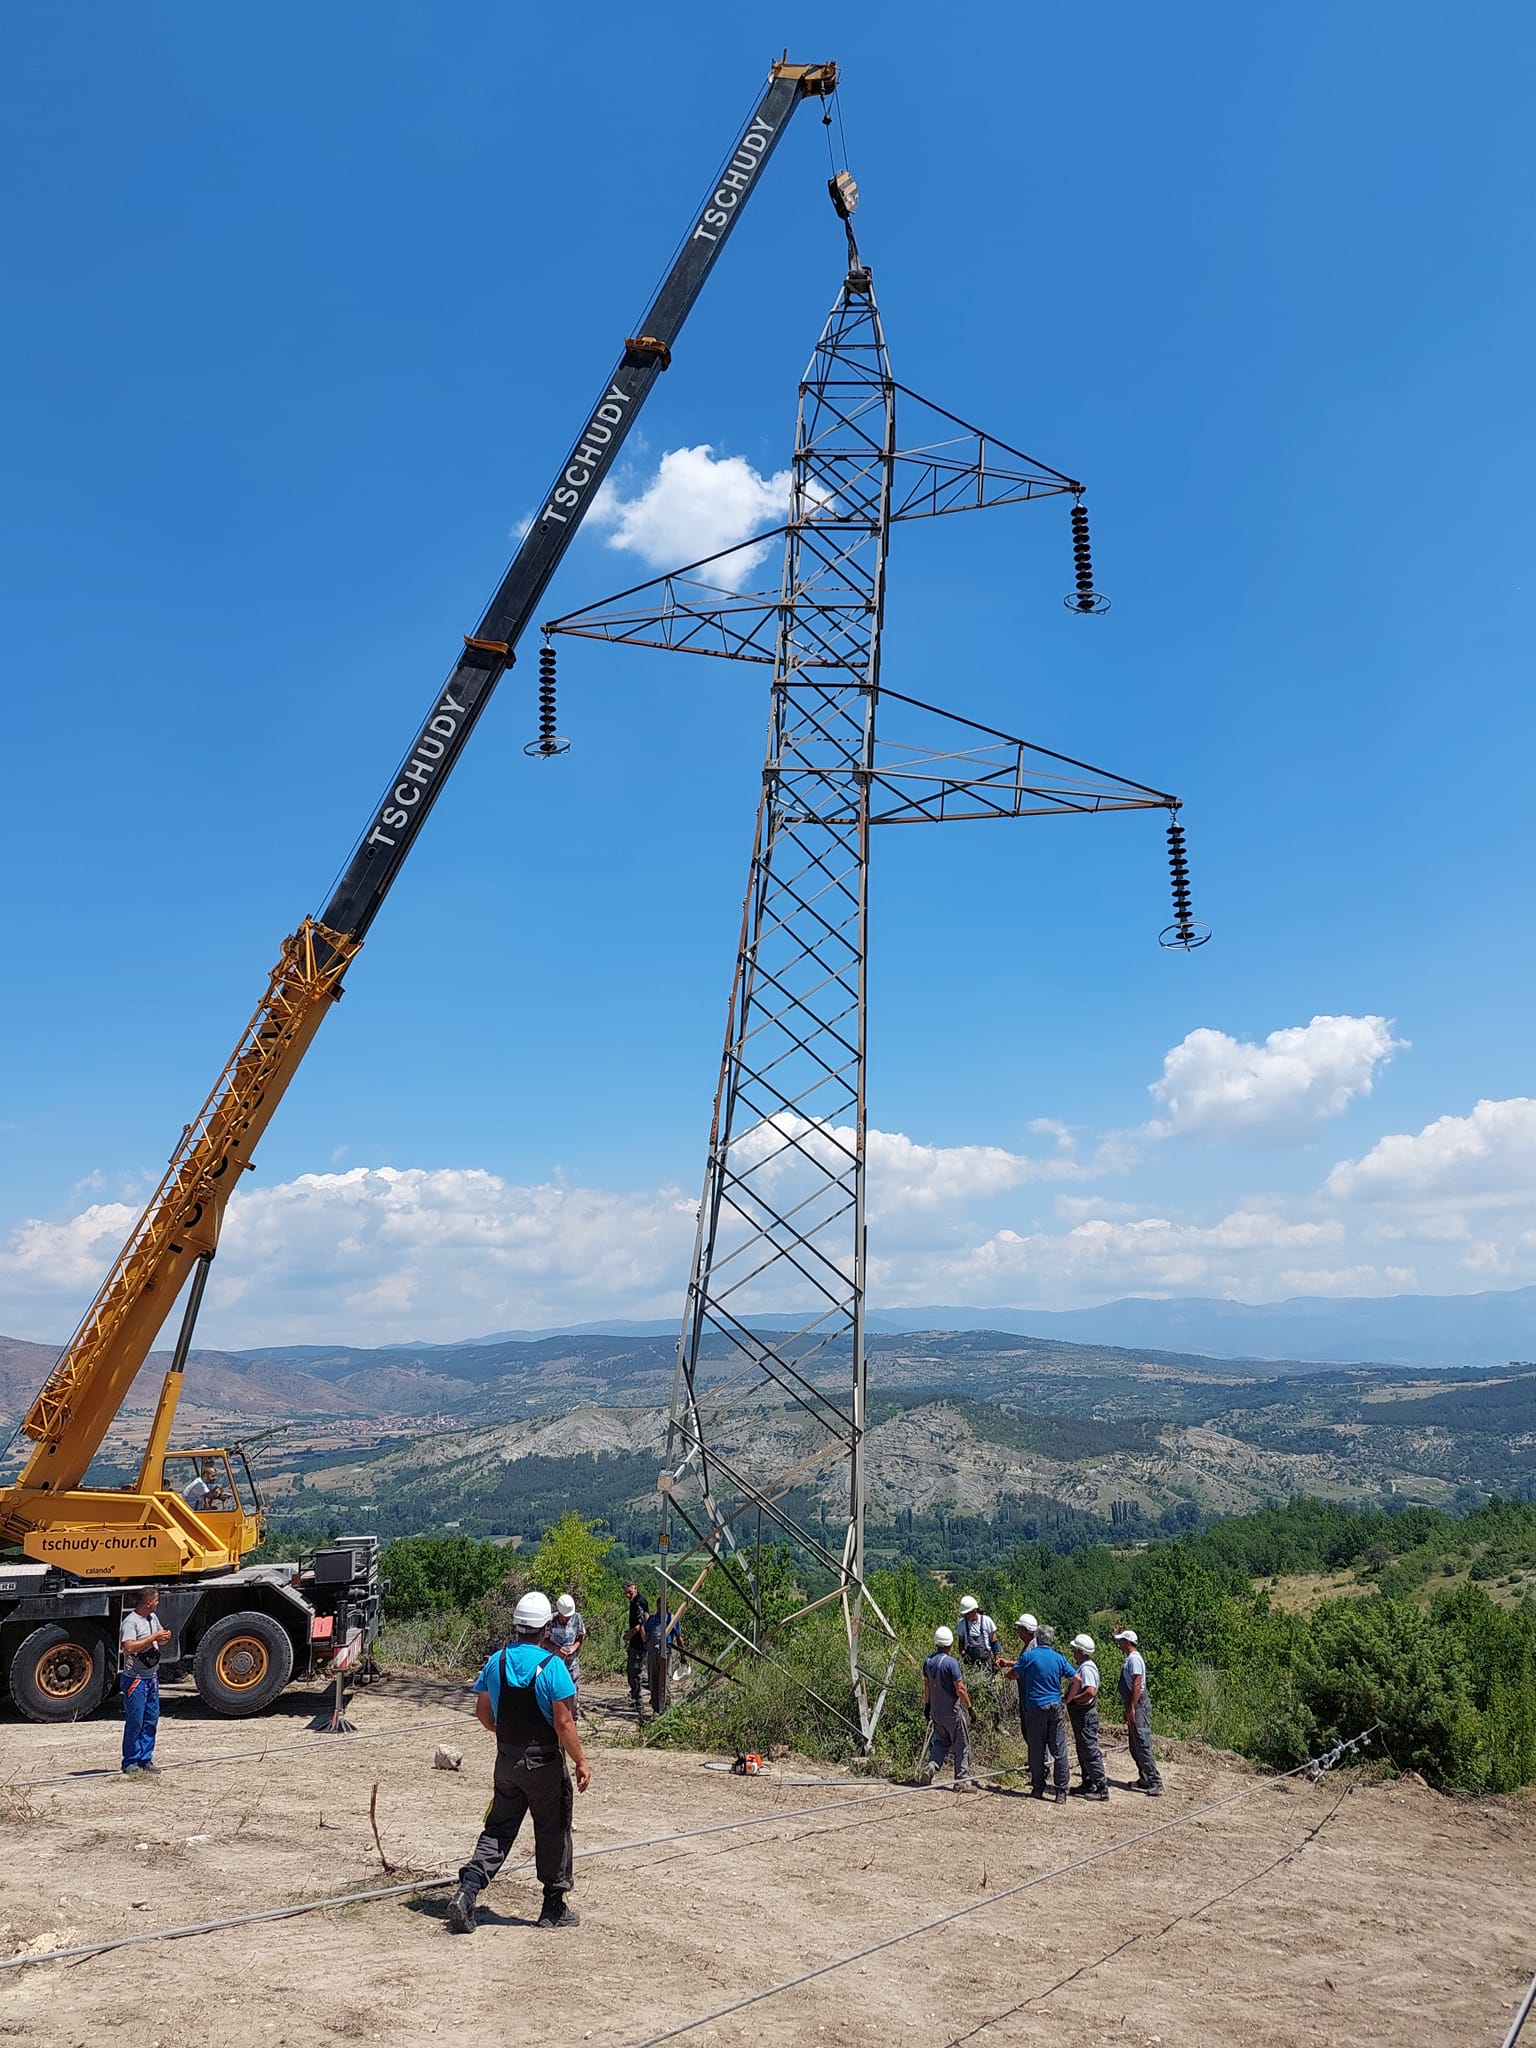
(242, 1663)
(61, 1671)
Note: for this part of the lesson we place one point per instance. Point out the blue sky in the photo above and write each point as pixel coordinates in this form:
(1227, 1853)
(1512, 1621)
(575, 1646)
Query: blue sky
(305, 308)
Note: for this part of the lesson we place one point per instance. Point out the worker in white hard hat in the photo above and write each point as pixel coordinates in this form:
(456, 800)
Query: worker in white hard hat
(567, 1633)
(976, 1639)
(1083, 1714)
(1137, 1709)
(947, 1709)
(523, 1697)
(1040, 1672)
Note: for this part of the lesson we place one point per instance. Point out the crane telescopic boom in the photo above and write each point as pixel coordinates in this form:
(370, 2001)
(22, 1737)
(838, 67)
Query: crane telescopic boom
(144, 1530)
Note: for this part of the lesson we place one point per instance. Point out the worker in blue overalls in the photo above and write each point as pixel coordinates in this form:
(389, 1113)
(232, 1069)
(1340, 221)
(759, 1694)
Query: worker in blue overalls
(524, 1697)
(142, 1639)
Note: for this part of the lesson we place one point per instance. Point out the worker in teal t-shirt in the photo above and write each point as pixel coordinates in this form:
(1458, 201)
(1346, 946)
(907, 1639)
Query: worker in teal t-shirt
(524, 1699)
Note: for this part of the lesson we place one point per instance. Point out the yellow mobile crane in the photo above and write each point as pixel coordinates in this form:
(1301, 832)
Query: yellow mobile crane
(73, 1551)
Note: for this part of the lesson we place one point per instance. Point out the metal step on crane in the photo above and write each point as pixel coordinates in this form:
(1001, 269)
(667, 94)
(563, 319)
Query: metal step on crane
(71, 1551)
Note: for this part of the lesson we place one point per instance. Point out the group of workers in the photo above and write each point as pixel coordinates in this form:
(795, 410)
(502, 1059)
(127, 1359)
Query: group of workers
(1055, 1692)
(528, 1696)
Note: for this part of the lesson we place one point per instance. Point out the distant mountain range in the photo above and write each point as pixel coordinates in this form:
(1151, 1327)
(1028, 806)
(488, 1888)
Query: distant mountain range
(1395, 1329)
(632, 1361)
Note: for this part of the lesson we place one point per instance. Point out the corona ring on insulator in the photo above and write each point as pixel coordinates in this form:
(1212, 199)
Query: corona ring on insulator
(549, 742)
(1084, 598)
(1184, 934)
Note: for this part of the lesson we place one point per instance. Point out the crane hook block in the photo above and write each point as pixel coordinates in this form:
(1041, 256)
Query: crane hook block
(641, 349)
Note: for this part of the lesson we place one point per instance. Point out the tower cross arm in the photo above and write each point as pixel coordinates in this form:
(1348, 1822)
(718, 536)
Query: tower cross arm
(963, 468)
(961, 770)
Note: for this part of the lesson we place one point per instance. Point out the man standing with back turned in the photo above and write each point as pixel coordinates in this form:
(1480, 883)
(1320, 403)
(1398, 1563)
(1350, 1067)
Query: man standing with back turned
(1040, 1670)
(524, 1698)
(947, 1705)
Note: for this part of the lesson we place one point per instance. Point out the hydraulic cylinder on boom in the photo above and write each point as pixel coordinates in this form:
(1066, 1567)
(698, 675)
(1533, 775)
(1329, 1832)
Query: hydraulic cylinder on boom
(148, 1529)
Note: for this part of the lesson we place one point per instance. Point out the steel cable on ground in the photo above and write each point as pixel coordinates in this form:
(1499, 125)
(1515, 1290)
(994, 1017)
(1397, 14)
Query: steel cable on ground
(85, 1950)
(229, 1756)
(1013, 1891)
(1151, 1933)
(1526, 2005)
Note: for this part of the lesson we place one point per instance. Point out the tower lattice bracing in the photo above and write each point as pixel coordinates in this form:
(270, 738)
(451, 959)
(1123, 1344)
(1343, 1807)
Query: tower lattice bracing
(781, 1225)
(766, 1438)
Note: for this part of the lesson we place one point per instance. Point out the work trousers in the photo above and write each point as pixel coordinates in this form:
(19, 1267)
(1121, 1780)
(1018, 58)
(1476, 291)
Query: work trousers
(141, 1716)
(1045, 1731)
(544, 1790)
(1138, 1730)
(634, 1666)
(657, 1675)
(1084, 1716)
(951, 1737)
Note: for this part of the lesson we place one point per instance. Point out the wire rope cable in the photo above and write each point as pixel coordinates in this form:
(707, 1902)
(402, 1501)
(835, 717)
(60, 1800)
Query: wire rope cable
(1151, 1933)
(85, 1950)
(268, 1752)
(1526, 2005)
(1313, 1764)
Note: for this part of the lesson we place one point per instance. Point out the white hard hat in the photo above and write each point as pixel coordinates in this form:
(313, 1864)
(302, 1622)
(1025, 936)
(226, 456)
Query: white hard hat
(566, 1605)
(1083, 1643)
(1125, 1635)
(1028, 1621)
(943, 1637)
(969, 1604)
(532, 1611)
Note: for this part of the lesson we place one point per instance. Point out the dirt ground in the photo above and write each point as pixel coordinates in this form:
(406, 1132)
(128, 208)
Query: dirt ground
(1349, 1911)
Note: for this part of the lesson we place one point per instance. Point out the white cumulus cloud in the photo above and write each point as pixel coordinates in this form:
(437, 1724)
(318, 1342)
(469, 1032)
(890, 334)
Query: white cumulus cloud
(1103, 1256)
(906, 1178)
(1217, 1086)
(1490, 1153)
(696, 504)
(385, 1254)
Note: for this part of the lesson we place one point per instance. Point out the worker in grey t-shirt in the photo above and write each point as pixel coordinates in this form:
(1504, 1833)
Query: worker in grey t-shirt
(1083, 1714)
(1138, 1711)
(141, 1639)
(947, 1705)
(566, 1634)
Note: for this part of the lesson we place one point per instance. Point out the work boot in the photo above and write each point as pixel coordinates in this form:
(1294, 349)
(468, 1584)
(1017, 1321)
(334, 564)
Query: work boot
(926, 1772)
(1061, 1796)
(558, 1912)
(967, 1784)
(461, 1911)
(151, 1770)
(1153, 1791)
(1100, 1792)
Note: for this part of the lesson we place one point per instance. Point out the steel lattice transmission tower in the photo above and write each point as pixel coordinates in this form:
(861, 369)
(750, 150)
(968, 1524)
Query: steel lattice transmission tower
(769, 1416)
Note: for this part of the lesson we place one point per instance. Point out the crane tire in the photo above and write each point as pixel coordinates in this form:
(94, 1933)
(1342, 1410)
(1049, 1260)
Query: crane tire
(61, 1671)
(243, 1662)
